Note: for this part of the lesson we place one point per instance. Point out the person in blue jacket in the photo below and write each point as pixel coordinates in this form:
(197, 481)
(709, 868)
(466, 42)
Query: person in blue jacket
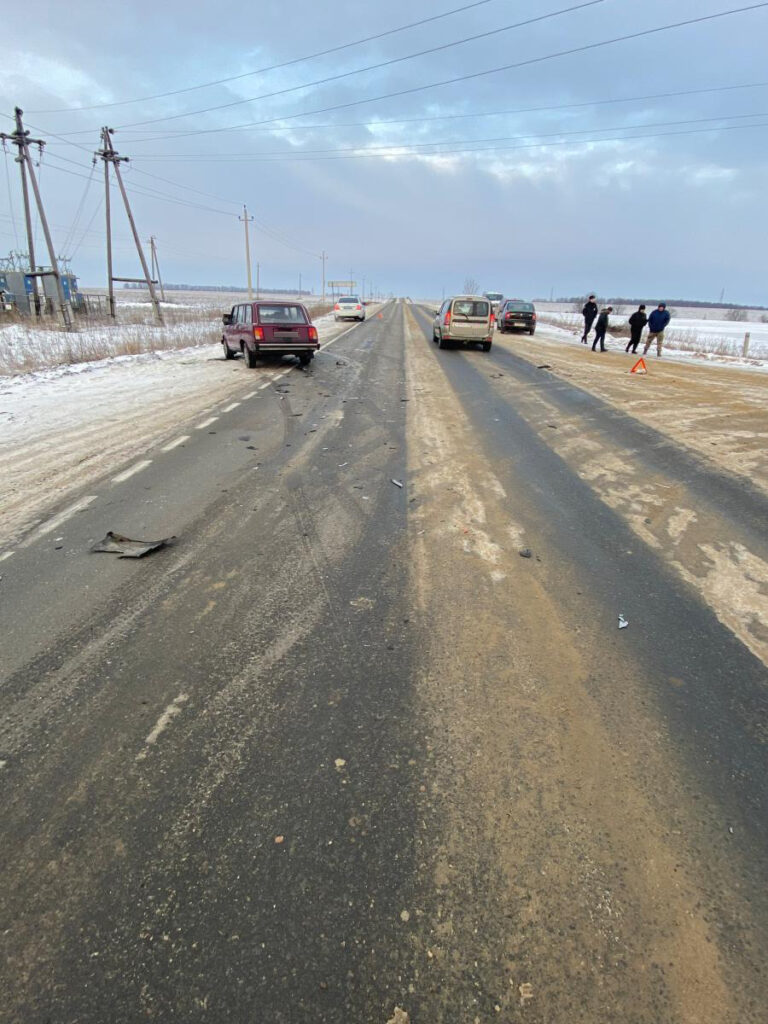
(657, 324)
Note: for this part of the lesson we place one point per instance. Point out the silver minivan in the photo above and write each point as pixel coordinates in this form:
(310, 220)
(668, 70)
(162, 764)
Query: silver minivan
(464, 320)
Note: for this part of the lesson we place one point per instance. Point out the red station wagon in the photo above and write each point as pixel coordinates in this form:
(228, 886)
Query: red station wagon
(269, 328)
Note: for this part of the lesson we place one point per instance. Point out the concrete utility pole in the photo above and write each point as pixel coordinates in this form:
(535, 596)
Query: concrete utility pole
(156, 266)
(299, 285)
(20, 138)
(245, 218)
(323, 258)
(108, 154)
(258, 270)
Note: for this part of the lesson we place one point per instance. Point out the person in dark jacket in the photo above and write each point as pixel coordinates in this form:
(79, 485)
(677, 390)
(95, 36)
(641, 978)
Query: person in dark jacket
(637, 322)
(657, 323)
(589, 313)
(601, 327)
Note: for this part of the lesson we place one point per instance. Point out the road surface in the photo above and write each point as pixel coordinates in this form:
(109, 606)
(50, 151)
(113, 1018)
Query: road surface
(348, 751)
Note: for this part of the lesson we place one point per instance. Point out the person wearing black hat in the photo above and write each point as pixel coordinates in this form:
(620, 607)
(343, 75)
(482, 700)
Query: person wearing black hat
(601, 327)
(637, 322)
(589, 313)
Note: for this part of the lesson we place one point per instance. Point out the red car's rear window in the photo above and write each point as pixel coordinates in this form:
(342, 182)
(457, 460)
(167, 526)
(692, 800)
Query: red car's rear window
(281, 313)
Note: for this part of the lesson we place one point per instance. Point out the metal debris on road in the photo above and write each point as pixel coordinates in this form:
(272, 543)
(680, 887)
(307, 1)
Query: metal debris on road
(124, 547)
(343, 464)
(397, 483)
(622, 622)
(544, 366)
(525, 553)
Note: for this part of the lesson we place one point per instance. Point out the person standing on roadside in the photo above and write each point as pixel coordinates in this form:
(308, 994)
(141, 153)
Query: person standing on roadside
(589, 313)
(601, 327)
(657, 324)
(637, 322)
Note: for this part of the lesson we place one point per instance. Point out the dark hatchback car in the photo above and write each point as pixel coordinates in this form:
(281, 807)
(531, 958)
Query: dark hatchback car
(269, 328)
(516, 315)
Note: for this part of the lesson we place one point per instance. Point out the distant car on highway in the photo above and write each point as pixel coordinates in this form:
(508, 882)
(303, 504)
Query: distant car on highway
(267, 328)
(348, 307)
(516, 315)
(495, 299)
(464, 320)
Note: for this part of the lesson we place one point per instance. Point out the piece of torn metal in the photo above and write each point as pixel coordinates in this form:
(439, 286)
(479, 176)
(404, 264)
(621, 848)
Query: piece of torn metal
(622, 622)
(397, 483)
(125, 547)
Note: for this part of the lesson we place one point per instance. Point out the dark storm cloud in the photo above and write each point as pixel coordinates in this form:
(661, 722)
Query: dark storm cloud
(681, 214)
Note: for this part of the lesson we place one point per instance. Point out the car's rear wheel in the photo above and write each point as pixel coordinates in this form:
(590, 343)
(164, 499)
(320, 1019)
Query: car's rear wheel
(250, 357)
(532, 331)
(442, 342)
(228, 353)
(305, 358)
(486, 346)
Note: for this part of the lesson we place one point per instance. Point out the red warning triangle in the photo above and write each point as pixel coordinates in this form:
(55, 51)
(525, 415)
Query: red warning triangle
(639, 367)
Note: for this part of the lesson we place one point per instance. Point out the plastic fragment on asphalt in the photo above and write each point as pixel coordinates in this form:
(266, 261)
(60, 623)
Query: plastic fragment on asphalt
(124, 547)
(397, 483)
(526, 992)
(525, 553)
(622, 622)
(544, 366)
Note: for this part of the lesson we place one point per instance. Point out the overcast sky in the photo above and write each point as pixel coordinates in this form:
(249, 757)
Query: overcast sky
(530, 211)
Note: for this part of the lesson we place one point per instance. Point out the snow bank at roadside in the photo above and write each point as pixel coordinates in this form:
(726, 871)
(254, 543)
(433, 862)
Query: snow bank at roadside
(681, 344)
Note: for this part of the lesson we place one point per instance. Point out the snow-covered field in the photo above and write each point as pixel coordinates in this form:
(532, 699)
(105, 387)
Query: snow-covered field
(25, 347)
(704, 338)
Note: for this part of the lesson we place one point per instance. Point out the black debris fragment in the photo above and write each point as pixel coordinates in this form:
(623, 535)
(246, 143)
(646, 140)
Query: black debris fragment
(525, 553)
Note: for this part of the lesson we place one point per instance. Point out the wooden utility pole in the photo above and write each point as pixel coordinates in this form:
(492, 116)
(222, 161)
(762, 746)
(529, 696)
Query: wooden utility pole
(20, 138)
(156, 266)
(245, 219)
(108, 154)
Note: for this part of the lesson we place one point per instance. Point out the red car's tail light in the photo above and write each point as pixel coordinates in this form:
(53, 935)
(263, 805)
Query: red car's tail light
(313, 334)
(493, 317)
(258, 334)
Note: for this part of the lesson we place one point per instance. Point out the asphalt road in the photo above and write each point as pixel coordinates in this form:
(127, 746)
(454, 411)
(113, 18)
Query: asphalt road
(340, 749)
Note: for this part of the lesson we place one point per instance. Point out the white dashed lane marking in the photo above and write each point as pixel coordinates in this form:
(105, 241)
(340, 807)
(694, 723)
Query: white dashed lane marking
(251, 394)
(174, 708)
(70, 510)
(206, 423)
(131, 471)
(5, 554)
(175, 444)
(229, 408)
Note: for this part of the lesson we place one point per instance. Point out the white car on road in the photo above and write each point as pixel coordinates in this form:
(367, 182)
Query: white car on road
(348, 307)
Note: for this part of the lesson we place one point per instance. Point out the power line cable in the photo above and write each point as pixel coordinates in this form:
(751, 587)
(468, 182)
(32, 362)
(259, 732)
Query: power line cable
(502, 149)
(69, 237)
(386, 148)
(10, 197)
(453, 117)
(271, 67)
(491, 71)
(374, 67)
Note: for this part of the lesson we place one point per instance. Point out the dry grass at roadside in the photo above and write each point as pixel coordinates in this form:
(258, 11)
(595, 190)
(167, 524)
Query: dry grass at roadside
(26, 346)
